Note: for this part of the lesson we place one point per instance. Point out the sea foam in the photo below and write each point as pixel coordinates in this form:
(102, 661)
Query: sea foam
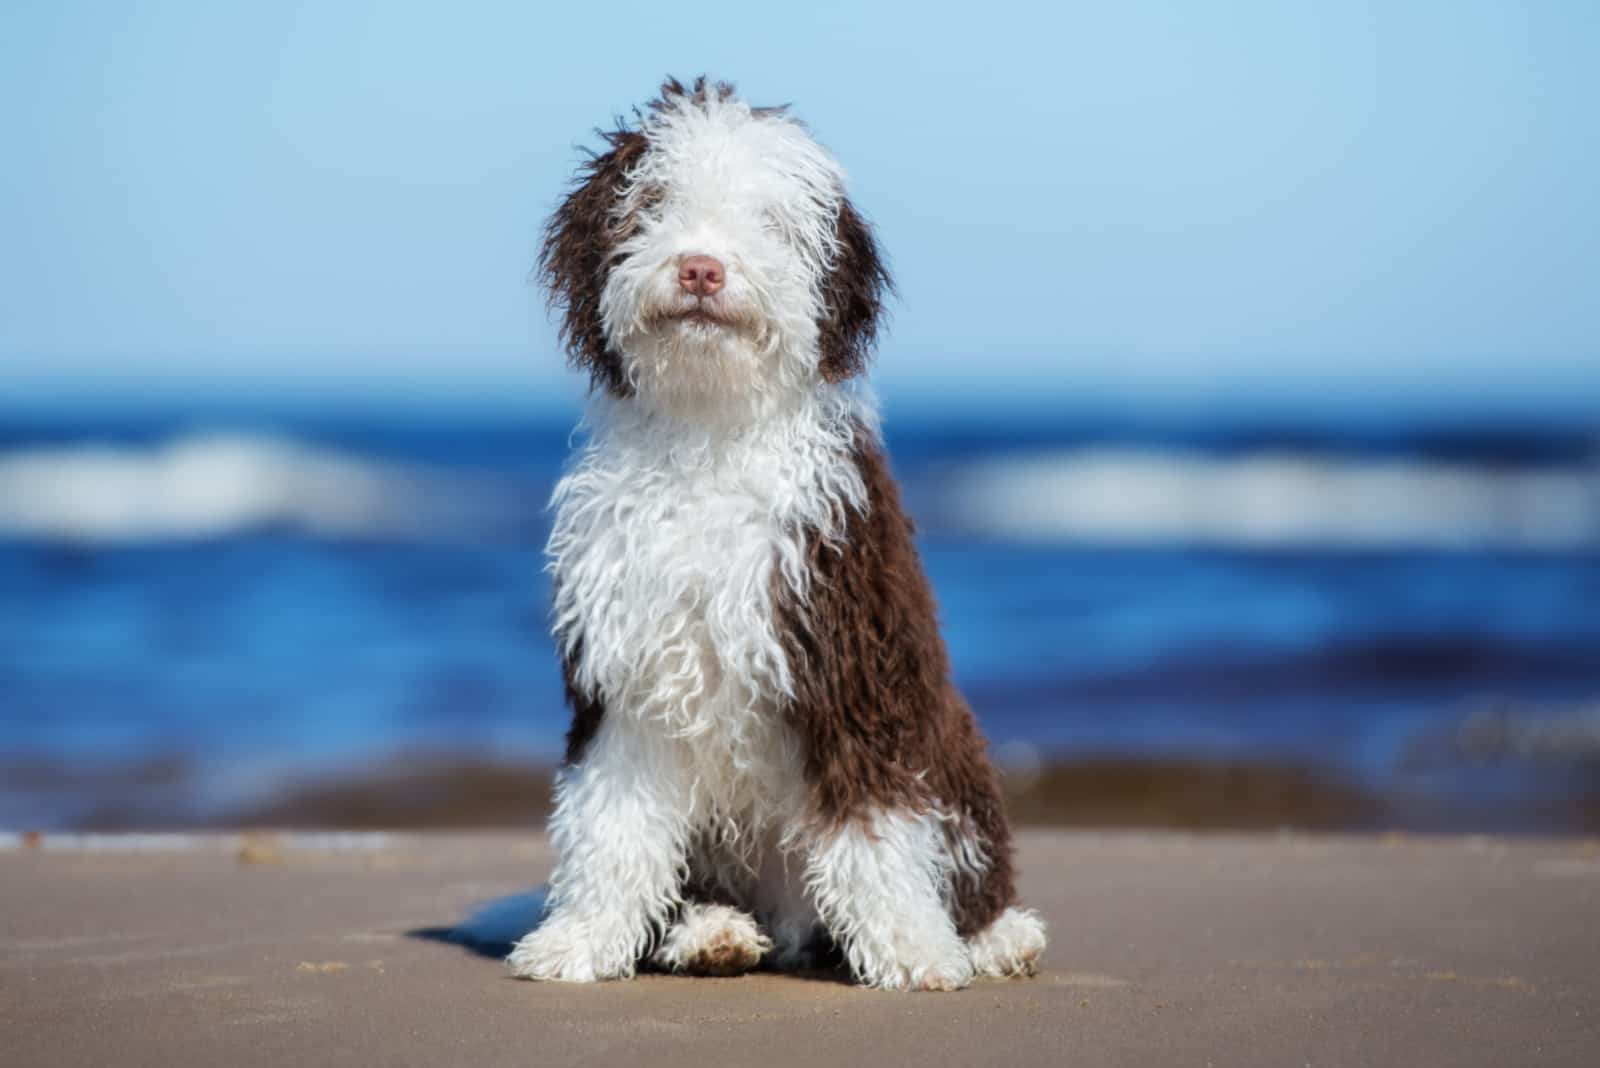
(217, 485)
(1274, 499)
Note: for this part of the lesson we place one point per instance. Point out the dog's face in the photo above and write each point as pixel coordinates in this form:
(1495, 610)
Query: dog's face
(710, 258)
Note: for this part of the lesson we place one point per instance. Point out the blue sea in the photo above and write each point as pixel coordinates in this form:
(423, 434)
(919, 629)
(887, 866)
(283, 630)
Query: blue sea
(226, 606)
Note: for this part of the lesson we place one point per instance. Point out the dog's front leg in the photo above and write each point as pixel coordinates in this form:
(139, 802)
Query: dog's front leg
(619, 831)
(881, 883)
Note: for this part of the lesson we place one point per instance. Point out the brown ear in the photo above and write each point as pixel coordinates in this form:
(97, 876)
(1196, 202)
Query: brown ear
(852, 299)
(579, 241)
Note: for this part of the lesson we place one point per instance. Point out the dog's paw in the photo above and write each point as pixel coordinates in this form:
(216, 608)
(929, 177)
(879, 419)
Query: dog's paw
(712, 940)
(559, 952)
(937, 964)
(952, 972)
(1009, 948)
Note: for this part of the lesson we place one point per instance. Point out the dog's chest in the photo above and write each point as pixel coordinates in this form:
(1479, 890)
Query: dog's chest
(664, 585)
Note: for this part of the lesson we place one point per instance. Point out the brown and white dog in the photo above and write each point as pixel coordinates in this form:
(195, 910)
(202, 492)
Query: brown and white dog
(766, 750)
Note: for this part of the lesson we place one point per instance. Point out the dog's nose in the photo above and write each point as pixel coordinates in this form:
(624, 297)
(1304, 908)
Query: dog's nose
(701, 275)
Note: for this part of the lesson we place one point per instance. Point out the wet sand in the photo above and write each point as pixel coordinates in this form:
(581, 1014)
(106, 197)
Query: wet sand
(1270, 949)
(438, 790)
(435, 792)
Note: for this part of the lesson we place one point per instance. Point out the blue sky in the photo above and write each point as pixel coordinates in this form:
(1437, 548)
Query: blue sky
(1153, 203)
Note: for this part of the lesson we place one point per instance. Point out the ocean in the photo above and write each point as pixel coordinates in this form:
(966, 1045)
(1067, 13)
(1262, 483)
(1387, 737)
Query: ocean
(200, 614)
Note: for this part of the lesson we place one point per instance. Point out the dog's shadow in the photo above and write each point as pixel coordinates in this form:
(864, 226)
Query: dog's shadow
(494, 928)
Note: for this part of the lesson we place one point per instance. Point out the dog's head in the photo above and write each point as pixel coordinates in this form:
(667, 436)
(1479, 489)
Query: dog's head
(710, 256)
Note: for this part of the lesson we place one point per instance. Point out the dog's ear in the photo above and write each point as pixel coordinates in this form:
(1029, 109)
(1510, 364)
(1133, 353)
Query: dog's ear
(852, 298)
(579, 241)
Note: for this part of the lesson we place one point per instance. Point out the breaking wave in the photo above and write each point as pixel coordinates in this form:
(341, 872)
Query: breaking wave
(1136, 496)
(217, 485)
(223, 484)
(1512, 732)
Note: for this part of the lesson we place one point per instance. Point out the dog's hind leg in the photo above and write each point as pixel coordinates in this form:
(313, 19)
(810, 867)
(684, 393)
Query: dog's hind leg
(713, 934)
(711, 939)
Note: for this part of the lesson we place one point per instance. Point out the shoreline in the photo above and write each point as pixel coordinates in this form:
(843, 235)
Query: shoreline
(435, 790)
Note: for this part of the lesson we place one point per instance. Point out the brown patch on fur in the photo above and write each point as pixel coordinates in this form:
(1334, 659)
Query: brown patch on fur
(582, 236)
(882, 724)
(579, 242)
(853, 298)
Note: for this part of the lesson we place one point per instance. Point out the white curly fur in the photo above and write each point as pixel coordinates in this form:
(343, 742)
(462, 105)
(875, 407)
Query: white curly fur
(712, 940)
(1009, 948)
(883, 887)
(691, 497)
(760, 195)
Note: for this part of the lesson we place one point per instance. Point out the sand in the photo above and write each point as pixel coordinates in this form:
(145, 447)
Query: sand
(1167, 949)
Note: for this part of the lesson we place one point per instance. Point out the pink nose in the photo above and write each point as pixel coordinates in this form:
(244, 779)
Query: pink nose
(701, 275)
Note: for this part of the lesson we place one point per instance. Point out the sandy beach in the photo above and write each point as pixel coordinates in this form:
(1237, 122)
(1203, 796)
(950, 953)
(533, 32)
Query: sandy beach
(1270, 949)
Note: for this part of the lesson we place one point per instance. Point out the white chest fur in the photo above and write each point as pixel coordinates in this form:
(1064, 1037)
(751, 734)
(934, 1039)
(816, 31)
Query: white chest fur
(664, 555)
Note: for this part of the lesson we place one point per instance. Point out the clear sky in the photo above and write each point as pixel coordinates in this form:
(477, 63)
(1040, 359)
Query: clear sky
(1385, 203)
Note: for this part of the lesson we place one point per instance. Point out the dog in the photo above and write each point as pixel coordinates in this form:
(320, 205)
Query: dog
(768, 761)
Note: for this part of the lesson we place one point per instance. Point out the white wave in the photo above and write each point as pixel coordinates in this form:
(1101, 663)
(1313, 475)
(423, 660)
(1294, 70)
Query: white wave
(1507, 731)
(213, 485)
(1532, 733)
(1132, 496)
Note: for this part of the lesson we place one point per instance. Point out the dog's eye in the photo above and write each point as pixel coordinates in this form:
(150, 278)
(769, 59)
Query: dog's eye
(775, 224)
(648, 197)
(635, 208)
